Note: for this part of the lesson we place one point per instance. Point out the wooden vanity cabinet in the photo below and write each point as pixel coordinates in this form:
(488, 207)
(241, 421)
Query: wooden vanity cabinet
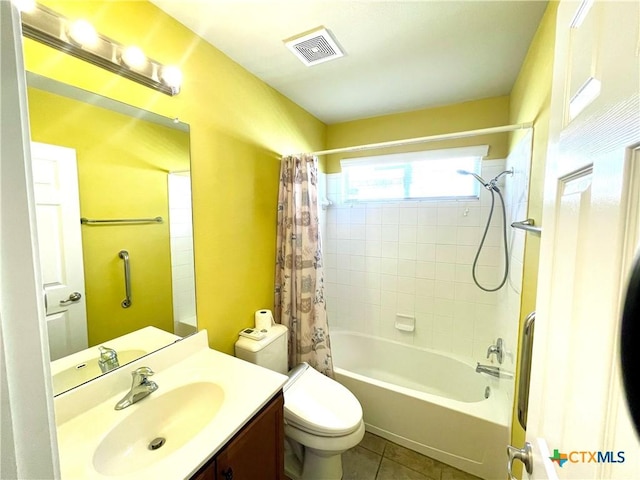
(256, 452)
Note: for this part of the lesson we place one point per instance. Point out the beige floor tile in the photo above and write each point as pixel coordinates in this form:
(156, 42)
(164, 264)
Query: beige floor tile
(360, 464)
(413, 460)
(373, 442)
(450, 473)
(390, 470)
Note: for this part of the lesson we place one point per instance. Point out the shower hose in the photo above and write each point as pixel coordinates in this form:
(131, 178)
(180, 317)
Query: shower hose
(493, 189)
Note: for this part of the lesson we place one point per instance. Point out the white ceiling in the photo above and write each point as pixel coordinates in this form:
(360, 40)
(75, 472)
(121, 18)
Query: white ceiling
(399, 55)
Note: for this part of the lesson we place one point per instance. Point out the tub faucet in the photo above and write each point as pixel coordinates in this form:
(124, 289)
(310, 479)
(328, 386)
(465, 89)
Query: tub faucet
(493, 371)
(108, 359)
(140, 388)
(497, 349)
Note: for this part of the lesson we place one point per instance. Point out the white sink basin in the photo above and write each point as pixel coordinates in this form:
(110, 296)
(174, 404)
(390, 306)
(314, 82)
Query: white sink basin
(204, 398)
(175, 416)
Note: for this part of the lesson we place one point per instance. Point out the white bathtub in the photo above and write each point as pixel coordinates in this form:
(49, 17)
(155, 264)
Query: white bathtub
(426, 401)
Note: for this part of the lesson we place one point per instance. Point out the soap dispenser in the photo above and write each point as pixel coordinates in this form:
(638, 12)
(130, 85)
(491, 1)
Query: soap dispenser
(108, 359)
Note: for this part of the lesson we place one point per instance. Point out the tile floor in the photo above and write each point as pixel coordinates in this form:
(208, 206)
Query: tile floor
(378, 459)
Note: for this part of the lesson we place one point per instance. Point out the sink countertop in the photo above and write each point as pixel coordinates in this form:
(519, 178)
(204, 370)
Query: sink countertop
(85, 415)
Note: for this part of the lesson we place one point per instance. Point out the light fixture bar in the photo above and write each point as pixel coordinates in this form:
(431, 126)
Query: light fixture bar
(48, 27)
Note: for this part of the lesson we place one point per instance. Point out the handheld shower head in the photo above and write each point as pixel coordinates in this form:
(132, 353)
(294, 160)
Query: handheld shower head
(475, 175)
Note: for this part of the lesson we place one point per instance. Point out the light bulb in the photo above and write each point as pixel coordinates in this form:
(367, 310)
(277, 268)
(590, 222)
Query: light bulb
(172, 76)
(83, 33)
(25, 5)
(134, 57)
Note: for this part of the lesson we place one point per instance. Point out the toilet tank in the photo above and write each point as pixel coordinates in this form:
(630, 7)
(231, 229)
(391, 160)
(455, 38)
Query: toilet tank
(270, 352)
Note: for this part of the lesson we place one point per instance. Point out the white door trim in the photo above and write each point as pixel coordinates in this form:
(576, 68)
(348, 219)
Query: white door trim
(29, 445)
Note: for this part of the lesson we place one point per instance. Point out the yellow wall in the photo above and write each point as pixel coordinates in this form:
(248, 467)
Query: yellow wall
(239, 128)
(489, 112)
(530, 101)
(122, 173)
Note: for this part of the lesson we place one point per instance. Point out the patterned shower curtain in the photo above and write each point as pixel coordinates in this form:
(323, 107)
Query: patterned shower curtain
(299, 302)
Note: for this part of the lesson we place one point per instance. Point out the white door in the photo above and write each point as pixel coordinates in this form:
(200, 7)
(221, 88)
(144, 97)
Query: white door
(55, 180)
(577, 426)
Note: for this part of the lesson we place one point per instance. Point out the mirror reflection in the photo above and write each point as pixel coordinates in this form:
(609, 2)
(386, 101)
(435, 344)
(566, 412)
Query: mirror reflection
(129, 264)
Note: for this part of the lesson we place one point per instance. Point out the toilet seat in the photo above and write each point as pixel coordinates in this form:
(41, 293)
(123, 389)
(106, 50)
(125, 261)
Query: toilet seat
(321, 406)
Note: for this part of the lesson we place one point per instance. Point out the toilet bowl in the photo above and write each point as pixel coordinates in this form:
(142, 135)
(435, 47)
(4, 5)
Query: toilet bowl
(322, 418)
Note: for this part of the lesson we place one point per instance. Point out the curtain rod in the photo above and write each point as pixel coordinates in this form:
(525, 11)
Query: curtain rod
(430, 138)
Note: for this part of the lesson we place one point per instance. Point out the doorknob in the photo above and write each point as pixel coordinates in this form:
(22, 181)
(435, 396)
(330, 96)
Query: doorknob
(525, 455)
(73, 297)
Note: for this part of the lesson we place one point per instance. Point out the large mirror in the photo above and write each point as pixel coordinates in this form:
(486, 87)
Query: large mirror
(113, 202)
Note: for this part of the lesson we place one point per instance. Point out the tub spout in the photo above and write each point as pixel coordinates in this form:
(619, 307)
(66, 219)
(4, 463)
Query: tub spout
(493, 371)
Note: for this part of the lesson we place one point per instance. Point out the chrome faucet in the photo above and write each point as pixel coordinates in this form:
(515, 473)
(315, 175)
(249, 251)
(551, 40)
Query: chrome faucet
(493, 371)
(108, 359)
(140, 388)
(497, 349)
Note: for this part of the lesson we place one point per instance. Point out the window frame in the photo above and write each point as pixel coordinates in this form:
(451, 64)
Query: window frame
(405, 160)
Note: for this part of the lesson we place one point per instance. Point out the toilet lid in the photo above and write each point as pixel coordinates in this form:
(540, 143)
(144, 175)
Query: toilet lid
(321, 406)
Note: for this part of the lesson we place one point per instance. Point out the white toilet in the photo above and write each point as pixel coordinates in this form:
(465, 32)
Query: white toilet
(322, 418)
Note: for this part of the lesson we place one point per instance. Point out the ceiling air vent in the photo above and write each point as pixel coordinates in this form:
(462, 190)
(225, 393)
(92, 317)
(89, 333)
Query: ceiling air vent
(314, 47)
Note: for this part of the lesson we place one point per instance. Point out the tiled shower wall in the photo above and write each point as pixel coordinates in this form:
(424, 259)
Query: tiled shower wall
(414, 259)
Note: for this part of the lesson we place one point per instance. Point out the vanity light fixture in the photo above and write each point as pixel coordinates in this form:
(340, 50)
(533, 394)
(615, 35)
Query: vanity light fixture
(134, 57)
(82, 33)
(80, 39)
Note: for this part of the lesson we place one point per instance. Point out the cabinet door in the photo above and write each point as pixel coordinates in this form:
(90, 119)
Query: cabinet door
(207, 473)
(257, 452)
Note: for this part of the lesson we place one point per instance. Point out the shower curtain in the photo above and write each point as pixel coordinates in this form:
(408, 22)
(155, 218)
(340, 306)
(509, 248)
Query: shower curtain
(299, 297)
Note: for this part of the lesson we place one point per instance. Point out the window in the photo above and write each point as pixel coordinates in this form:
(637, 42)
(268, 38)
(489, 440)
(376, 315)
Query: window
(417, 175)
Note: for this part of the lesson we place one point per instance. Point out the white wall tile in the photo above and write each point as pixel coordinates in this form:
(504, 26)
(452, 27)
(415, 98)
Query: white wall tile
(406, 303)
(389, 266)
(407, 268)
(390, 215)
(445, 235)
(407, 251)
(373, 249)
(425, 304)
(426, 234)
(357, 247)
(357, 232)
(372, 264)
(425, 287)
(447, 215)
(446, 253)
(373, 233)
(358, 215)
(389, 282)
(426, 270)
(389, 250)
(427, 215)
(342, 215)
(470, 216)
(374, 215)
(406, 285)
(415, 258)
(389, 299)
(426, 252)
(356, 262)
(343, 231)
(445, 272)
(444, 290)
(408, 216)
(407, 233)
(389, 233)
(372, 281)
